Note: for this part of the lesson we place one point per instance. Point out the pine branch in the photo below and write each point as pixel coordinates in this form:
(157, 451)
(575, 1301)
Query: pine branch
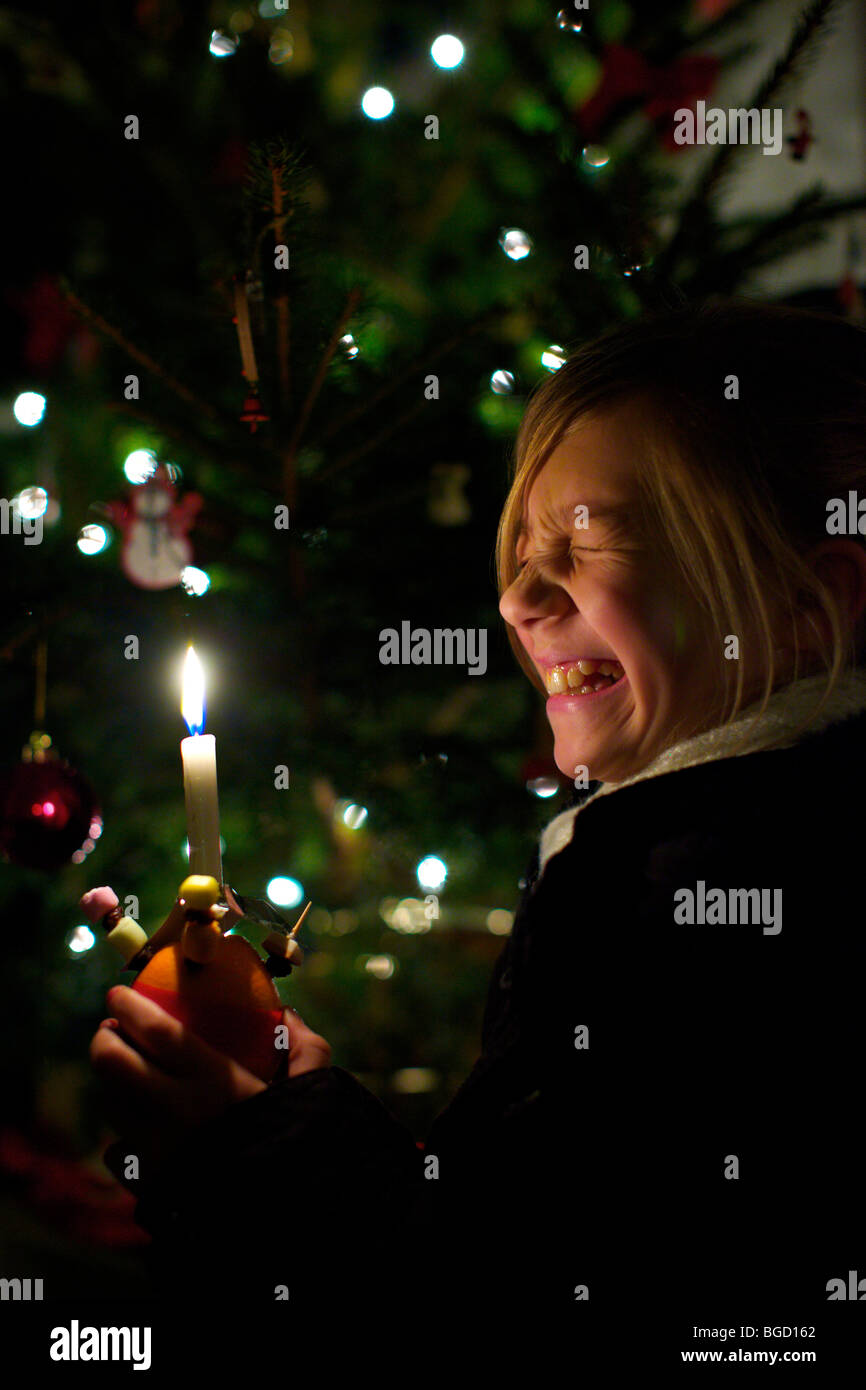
(280, 217)
(373, 443)
(390, 501)
(723, 274)
(289, 477)
(277, 179)
(423, 360)
(35, 631)
(811, 27)
(225, 456)
(809, 209)
(716, 28)
(280, 155)
(787, 233)
(108, 330)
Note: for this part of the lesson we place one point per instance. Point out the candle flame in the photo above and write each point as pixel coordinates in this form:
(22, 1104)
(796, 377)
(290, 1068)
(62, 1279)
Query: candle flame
(192, 701)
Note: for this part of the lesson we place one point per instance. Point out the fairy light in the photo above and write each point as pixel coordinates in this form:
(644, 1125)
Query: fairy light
(195, 581)
(139, 466)
(500, 921)
(381, 967)
(553, 357)
(431, 872)
(92, 539)
(285, 892)
(447, 51)
(31, 502)
(29, 408)
(222, 45)
(282, 47)
(516, 243)
(377, 103)
(79, 940)
(543, 786)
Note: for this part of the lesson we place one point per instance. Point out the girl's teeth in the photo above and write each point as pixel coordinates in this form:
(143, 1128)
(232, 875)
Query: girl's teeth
(556, 681)
(559, 679)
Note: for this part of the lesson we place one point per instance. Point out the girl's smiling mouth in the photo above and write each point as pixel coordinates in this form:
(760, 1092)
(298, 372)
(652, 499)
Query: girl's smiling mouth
(584, 676)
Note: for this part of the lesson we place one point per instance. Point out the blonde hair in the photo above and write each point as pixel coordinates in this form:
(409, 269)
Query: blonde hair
(731, 492)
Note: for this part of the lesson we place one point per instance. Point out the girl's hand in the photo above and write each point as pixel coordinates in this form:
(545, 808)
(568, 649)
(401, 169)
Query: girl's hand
(161, 1080)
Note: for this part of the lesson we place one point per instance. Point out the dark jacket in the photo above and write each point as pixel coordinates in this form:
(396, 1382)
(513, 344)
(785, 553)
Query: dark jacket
(607, 1166)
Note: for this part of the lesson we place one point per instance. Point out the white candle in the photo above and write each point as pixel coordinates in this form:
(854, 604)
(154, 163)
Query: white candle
(199, 777)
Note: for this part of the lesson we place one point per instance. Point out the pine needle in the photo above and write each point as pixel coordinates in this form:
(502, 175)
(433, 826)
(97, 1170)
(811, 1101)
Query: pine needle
(811, 27)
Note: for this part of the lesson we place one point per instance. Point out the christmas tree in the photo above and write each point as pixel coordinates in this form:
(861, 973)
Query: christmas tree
(305, 265)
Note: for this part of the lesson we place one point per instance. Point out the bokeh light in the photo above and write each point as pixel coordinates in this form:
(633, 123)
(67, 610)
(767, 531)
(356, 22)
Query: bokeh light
(195, 581)
(431, 872)
(31, 502)
(377, 103)
(92, 539)
(515, 243)
(222, 45)
(553, 357)
(139, 465)
(79, 940)
(29, 408)
(285, 892)
(447, 51)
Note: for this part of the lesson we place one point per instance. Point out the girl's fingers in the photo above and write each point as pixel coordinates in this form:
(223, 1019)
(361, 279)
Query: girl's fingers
(115, 1060)
(167, 1042)
(174, 1067)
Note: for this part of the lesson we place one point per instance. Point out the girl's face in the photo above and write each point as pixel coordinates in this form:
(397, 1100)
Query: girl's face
(599, 593)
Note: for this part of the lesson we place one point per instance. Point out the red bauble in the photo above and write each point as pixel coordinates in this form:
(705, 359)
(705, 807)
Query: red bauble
(48, 812)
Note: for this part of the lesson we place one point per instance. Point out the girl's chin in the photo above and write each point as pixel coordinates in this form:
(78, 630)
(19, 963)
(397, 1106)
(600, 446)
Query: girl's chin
(590, 760)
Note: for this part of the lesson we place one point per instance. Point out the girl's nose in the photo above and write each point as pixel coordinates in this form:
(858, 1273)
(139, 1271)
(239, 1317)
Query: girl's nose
(524, 598)
(510, 604)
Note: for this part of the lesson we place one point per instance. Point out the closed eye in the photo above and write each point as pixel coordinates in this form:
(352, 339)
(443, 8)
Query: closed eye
(521, 565)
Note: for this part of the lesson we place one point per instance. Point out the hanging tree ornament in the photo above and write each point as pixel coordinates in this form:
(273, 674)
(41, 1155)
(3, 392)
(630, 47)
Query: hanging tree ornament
(802, 138)
(446, 504)
(155, 549)
(627, 78)
(252, 413)
(49, 813)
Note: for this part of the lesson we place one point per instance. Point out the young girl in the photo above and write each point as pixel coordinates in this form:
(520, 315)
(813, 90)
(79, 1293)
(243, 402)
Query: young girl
(664, 1125)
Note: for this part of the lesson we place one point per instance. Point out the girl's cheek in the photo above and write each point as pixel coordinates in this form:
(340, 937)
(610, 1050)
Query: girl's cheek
(667, 621)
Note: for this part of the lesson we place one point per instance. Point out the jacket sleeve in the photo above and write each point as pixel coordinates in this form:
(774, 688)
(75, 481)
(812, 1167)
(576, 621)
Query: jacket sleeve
(301, 1185)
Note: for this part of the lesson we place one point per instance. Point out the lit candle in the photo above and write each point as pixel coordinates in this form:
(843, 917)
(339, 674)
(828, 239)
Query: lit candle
(199, 777)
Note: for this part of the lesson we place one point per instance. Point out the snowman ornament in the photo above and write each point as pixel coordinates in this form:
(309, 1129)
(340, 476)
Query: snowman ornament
(155, 548)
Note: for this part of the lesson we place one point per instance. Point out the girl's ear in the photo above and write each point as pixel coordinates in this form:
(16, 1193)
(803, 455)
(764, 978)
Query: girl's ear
(840, 563)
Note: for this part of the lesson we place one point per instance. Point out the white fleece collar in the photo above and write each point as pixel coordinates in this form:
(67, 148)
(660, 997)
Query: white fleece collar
(786, 708)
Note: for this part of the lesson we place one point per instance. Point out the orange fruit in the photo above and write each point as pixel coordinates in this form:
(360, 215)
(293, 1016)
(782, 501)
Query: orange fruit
(230, 1002)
